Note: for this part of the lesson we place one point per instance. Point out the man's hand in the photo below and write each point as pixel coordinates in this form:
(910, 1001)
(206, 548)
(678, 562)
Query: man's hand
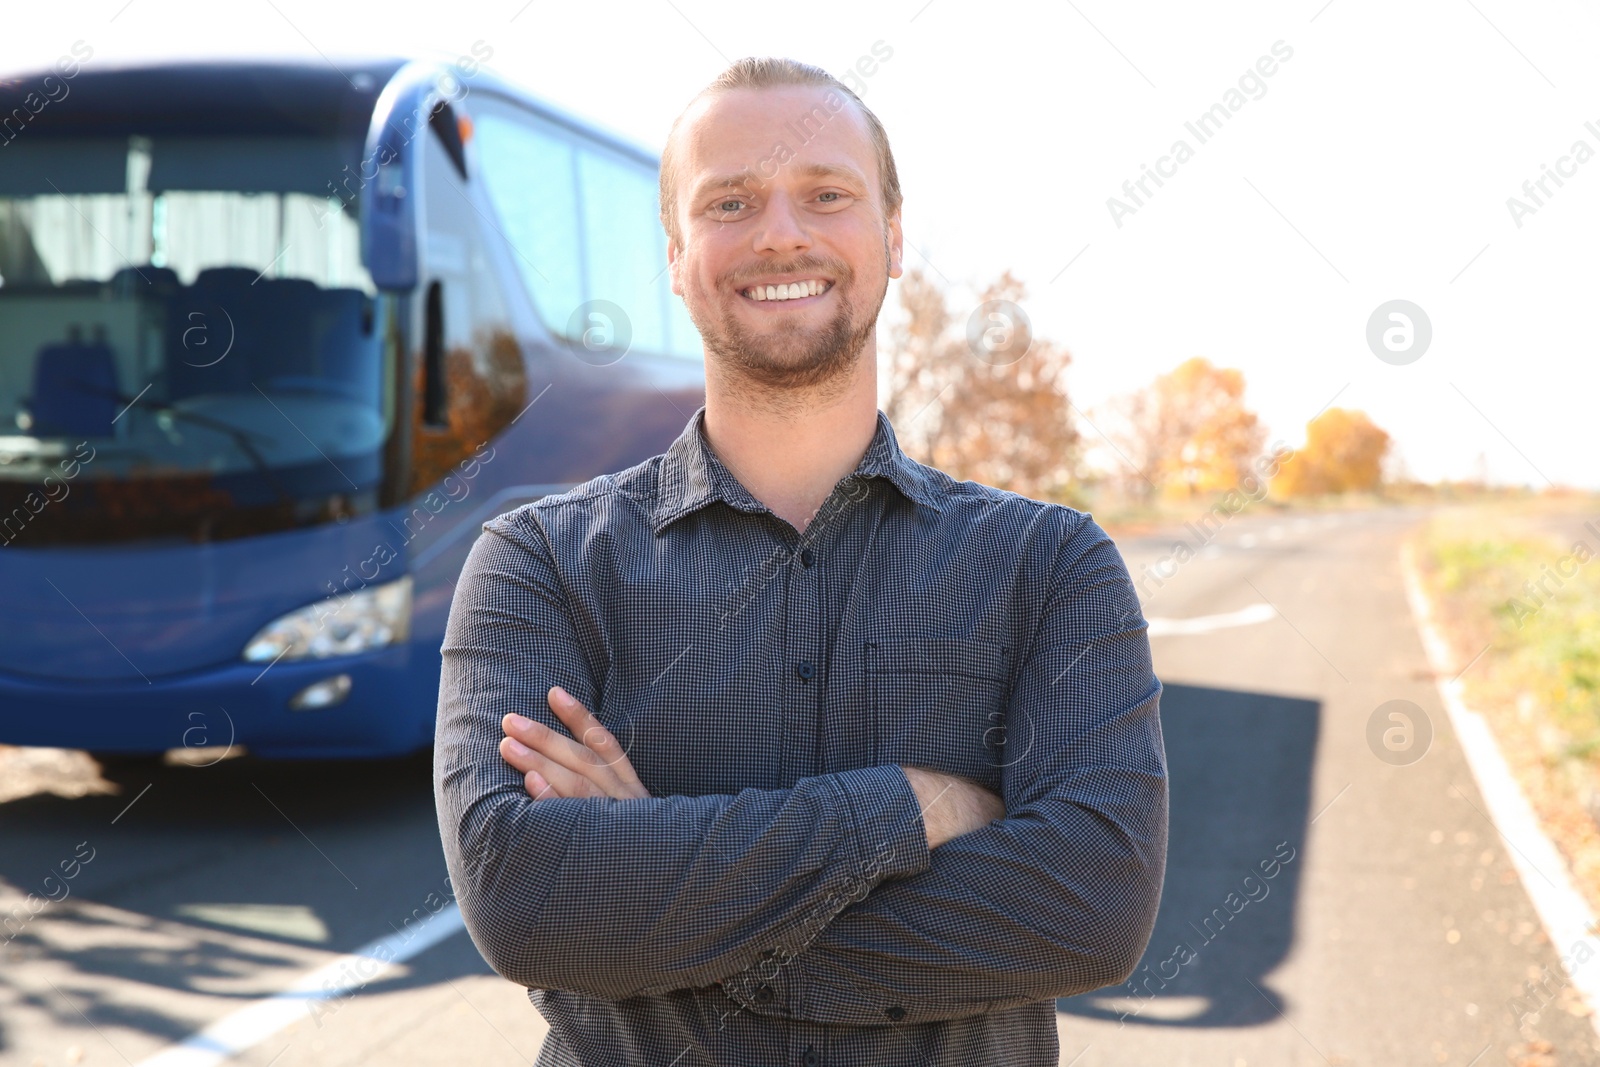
(554, 765)
(951, 805)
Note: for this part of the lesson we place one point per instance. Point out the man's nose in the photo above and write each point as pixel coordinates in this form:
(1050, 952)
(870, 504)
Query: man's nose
(783, 227)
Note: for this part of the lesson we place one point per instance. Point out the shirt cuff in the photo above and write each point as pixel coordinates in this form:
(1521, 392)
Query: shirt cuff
(891, 838)
(887, 838)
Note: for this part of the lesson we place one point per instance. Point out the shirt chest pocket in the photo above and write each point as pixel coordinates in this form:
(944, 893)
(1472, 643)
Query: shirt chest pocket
(939, 702)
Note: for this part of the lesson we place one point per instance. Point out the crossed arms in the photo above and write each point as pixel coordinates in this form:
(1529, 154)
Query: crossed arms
(553, 764)
(833, 899)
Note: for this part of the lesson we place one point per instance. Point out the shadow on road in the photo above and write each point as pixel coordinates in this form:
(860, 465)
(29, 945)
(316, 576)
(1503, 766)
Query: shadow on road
(305, 833)
(1239, 767)
(296, 836)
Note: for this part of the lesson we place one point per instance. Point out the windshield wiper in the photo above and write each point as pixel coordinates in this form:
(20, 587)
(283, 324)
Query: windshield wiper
(241, 437)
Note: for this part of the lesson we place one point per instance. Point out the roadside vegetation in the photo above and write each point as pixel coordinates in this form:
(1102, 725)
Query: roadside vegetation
(1521, 586)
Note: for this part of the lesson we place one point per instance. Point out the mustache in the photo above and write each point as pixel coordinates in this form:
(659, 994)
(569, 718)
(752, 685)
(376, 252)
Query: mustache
(833, 268)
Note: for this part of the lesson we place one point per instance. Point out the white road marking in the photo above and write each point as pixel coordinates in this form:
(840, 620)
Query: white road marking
(1165, 1009)
(1566, 915)
(1204, 624)
(249, 1026)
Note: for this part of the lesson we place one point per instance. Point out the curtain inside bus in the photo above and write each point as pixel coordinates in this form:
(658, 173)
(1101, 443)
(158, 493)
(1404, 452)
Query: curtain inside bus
(186, 326)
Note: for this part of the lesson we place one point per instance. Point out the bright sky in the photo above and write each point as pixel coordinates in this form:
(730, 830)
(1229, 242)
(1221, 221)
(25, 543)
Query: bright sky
(1374, 164)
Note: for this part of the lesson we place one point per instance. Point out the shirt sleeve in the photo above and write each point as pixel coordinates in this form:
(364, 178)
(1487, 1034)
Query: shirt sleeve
(1060, 896)
(619, 898)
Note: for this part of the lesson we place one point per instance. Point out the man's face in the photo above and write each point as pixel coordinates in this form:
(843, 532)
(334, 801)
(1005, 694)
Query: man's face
(776, 189)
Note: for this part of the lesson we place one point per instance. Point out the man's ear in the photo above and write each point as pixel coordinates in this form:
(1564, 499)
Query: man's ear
(896, 240)
(673, 256)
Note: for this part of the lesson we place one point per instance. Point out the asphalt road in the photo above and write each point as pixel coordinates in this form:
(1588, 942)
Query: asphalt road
(1392, 929)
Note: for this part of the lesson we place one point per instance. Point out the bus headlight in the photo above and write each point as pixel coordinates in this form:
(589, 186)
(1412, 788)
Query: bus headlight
(374, 617)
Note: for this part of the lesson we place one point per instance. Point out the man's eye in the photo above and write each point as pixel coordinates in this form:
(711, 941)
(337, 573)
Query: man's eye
(832, 194)
(729, 207)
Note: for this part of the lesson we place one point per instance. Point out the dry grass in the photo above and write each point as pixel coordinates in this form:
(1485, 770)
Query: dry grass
(1521, 585)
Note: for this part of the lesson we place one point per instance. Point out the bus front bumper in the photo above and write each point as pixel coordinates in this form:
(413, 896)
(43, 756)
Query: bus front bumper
(388, 709)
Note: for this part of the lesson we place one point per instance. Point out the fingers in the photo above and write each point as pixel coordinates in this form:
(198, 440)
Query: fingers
(594, 766)
(544, 778)
(594, 737)
(565, 764)
(549, 743)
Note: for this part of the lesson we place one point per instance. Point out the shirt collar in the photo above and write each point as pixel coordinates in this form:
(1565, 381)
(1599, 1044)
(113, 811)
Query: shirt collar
(692, 476)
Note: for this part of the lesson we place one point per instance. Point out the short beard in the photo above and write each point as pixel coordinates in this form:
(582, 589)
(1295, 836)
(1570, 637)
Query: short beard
(754, 366)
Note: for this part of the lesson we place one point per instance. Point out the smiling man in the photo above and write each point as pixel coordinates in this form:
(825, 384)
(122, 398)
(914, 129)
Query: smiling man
(780, 747)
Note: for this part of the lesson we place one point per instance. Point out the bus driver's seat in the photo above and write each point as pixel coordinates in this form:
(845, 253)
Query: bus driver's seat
(74, 387)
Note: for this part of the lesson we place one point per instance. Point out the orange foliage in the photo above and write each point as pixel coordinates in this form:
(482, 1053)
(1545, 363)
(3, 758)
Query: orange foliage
(479, 404)
(1190, 433)
(1343, 453)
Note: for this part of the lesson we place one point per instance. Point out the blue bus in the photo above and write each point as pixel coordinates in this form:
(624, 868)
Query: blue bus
(276, 338)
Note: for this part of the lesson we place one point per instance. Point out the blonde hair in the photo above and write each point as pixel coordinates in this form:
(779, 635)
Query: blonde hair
(768, 72)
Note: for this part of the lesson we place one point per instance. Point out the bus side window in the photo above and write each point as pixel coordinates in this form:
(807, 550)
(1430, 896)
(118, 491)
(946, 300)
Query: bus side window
(529, 168)
(583, 223)
(468, 378)
(625, 256)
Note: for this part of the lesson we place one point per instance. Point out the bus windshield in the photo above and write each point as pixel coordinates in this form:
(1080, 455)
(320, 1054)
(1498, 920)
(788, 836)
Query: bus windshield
(190, 346)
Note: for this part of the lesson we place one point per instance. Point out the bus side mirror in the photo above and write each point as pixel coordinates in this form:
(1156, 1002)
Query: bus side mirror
(389, 229)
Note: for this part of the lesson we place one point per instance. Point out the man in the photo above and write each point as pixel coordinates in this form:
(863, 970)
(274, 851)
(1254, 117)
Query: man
(864, 765)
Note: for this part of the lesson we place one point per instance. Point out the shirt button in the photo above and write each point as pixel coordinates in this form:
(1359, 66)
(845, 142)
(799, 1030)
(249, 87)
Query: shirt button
(804, 669)
(764, 994)
(896, 1013)
(811, 1059)
(806, 558)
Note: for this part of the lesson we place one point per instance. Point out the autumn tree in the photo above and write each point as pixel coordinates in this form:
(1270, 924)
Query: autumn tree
(1344, 453)
(1189, 433)
(977, 394)
(922, 361)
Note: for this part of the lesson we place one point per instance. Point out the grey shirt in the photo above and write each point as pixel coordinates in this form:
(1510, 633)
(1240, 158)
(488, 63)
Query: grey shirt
(774, 900)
